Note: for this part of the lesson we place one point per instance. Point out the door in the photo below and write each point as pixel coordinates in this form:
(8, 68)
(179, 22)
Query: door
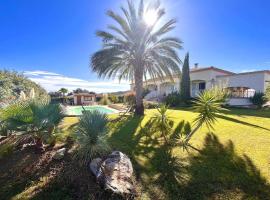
(79, 100)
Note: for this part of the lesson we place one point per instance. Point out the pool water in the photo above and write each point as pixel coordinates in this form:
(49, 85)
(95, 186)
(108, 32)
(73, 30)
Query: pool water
(77, 110)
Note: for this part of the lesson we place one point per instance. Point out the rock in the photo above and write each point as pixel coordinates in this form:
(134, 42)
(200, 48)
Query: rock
(114, 173)
(95, 165)
(59, 154)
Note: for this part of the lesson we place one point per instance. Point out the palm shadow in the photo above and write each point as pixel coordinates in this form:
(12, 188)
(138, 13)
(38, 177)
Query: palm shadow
(214, 171)
(240, 122)
(217, 171)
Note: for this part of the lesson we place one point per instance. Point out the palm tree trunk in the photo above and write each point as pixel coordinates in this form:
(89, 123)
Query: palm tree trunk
(139, 109)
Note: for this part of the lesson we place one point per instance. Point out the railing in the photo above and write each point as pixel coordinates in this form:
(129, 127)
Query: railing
(241, 94)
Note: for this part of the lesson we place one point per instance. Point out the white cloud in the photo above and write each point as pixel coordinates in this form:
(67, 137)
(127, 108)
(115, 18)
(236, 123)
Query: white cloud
(53, 82)
(248, 70)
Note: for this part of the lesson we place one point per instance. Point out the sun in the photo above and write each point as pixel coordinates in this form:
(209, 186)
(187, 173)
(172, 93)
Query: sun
(150, 17)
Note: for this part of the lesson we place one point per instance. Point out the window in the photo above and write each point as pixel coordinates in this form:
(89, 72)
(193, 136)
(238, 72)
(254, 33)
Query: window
(88, 98)
(202, 86)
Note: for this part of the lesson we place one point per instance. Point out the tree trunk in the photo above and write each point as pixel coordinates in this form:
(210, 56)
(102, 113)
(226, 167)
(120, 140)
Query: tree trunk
(139, 109)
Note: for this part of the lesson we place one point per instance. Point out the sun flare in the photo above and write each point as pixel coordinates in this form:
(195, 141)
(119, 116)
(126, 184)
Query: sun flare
(150, 17)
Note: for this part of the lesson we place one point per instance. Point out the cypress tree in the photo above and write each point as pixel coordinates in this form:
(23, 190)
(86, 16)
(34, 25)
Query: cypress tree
(185, 80)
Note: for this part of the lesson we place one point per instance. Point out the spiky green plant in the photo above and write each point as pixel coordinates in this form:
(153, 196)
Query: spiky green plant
(267, 93)
(35, 117)
(91, 135)
(208, 104)
(134, 50)
(162, 122)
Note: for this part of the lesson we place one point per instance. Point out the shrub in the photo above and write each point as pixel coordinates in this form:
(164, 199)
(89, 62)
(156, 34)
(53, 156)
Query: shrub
(162, 123)
(150, 105)
(120, 99)
(113, 98)
(267, 93)
(91, 136)
(34, 117)
(258, 99)
(13, 83)
(130, 99)
(173, 99)
(6, 149)
(105, 100)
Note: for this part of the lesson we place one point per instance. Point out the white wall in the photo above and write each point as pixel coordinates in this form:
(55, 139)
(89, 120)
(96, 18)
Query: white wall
(254, 81)
(239, 102)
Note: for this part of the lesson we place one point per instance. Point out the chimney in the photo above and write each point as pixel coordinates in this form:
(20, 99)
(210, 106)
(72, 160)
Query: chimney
(196, 65)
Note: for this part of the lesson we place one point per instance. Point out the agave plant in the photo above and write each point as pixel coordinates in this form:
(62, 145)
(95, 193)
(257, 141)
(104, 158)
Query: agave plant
(208, 104)
(91, 134)
(37, 118)
(134, 48)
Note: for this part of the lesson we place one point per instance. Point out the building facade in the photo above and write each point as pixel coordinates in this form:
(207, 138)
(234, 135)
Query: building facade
(242, 86)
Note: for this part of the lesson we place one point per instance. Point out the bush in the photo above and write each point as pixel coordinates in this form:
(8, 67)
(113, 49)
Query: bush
(173, 99)
(12, 84)
(150, 105)
(34, 117)
(130, 99)
(258, 99)
(6, 149)
(113, 98)
(91, 136)
(105, 100)
(267, 93)
(120, 99)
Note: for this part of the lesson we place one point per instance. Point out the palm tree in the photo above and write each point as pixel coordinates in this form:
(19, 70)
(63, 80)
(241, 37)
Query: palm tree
(137, 48)
(37, 118)
(63, 91)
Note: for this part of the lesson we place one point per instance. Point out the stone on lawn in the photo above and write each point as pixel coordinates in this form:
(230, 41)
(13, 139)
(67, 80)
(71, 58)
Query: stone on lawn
(115, 173)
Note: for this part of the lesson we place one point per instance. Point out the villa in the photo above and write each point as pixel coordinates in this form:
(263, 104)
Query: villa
(242, 86)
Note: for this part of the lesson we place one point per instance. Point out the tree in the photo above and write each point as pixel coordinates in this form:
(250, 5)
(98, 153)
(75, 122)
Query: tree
(136, 48)
(267, 93)
(185, 80)
(63, 91)
(259, 99)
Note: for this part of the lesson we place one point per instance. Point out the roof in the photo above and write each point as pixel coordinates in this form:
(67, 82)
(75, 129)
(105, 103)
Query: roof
(211, 68)
(244, 73)
(84, 94)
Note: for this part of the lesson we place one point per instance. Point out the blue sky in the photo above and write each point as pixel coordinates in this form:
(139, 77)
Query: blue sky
(52, 40)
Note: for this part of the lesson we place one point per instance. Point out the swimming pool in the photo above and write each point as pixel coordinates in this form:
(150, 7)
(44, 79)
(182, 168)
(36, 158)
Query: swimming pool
(77, 110)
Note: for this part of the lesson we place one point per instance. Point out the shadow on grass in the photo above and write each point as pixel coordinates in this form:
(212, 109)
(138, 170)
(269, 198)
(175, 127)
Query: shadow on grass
(240, 122)
(213, 172)
(219, 172)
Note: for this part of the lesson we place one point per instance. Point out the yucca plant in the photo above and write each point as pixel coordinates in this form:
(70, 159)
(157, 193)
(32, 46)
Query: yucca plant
(35, 117)
(208, 104)
(91, 136)
(162, 122)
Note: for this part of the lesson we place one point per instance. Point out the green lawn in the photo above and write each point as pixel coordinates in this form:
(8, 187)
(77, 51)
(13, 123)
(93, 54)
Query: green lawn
(230, 163)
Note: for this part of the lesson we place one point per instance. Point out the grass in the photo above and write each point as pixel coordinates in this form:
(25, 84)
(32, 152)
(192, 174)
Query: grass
(232, 162)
